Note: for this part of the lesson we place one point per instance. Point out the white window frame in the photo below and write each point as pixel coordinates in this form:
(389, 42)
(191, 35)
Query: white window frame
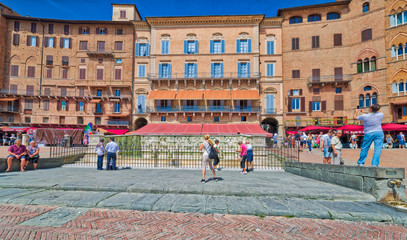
(217, 50)
(51, 40)
(296, 106)
(316, 107)
(66, 42)
(33, 41)
(296, 92)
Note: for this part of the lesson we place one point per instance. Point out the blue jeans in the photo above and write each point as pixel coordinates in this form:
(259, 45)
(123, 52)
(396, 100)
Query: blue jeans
(100, 162)
(309, 146)
(377, 138)
(111, 157)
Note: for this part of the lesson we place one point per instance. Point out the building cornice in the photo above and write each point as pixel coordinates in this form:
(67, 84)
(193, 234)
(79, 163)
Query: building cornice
(141, 24)
(48, 20)
(337, 3)
(274, 21)
(205, 20)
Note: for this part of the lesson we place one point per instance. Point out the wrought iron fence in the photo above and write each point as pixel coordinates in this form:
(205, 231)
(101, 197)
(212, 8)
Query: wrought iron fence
(64, 147)
(158, 156)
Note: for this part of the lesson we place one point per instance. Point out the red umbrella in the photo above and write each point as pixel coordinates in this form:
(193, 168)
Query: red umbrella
(351, 128)
(393, 127)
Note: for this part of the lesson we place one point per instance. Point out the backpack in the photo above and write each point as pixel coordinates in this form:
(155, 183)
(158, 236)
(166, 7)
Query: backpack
(212, 152)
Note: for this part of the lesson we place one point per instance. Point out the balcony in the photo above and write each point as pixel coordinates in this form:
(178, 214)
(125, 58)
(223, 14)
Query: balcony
(270, 111)
(118, 123)
(9, 109)
(329, 79)
(103, 83)
(99, 53)
(204, 76)
(177, 109)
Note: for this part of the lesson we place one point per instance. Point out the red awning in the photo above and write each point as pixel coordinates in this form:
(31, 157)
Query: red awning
(314, 128)
(348, 129)
(117, 131)
(394, 127)
(201, 129)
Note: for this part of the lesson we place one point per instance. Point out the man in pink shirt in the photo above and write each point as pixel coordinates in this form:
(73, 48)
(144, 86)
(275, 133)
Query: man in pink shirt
(243, 156)
(16, 151)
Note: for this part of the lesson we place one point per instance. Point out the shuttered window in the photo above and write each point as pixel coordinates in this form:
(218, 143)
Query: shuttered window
(122, 14)
(83, 45)
(315, 41)
(47, 91)
(31, 71)
(14, 70)
(65, 60)
(295, 43)
(99, 74)
(316, 77)
(51, 28)
(118, 74)
(49, 72)
(337, 39)
(16, 26)
(82, 73)
(65, 73)
(66, 29)
(33, 27)
(338, 104)
(63, 92)
(16, 39)
(119, 45)
(101, 46)
(367, 35)
(30, 90)
(296, 74)
(46, 105)
(315, 90)
(338, 74)
(28, 104)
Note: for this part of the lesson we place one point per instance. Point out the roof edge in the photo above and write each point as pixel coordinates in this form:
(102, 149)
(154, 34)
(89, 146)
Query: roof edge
(338, 3)
(67, 21)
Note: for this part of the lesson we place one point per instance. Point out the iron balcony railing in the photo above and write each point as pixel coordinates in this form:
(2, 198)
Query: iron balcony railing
(313, 80)
(270, 111)
(254, 109)
(204, 75)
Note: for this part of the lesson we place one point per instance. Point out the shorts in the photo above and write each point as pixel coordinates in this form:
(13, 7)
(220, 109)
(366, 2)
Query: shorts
(249, 156)
(326, 153)
(22, 157)
(34, 160)
(206, 161)
(402, 142)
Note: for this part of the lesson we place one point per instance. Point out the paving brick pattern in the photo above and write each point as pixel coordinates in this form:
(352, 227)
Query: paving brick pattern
(126, 224)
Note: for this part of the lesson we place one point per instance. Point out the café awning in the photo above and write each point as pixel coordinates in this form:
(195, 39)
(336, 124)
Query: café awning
(162, 95)
(189, 95)
(245, 95)
(217, 95)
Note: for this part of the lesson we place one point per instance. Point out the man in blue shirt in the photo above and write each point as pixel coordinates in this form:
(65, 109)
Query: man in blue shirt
(402, 140)
(372, 122)
(111, 149)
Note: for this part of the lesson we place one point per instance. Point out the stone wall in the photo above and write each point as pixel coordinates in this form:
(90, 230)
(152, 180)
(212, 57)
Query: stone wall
(366, 179)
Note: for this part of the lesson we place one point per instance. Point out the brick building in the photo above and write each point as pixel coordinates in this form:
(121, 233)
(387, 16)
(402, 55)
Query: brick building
(333, 61)
(310, 65)
(396, 58)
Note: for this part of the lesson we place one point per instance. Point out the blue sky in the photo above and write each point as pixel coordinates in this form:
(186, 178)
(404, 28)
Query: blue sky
(102, 9)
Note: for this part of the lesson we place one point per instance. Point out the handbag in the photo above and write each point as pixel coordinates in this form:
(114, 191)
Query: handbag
(330, 149)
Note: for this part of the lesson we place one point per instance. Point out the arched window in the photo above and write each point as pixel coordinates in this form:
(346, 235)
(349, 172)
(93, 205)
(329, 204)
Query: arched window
(361, 101)
(367, 88)
(360, 69)
(374, 98)
(400, 50)
(365, 7)
(314, 18)
(373, 64)
(296, 19)
(333, 16)
(366, 65)
(405, 46)
(393, 51)
(367, 100)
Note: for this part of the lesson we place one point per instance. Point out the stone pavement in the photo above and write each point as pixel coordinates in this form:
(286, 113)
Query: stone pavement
(258, 193)
(44, 222)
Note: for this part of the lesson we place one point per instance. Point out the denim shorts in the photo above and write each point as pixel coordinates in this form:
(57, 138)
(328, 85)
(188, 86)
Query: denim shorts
(21, 158)
(326, 153)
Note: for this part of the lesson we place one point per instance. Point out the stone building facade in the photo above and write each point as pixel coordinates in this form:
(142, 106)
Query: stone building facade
(310, 65)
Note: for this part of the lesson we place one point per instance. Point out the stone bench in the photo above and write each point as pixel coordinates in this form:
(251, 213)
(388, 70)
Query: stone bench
(42, 162)
(375, 181)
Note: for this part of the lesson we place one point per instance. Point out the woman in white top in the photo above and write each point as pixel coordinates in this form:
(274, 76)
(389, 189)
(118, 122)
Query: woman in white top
(206, 146)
